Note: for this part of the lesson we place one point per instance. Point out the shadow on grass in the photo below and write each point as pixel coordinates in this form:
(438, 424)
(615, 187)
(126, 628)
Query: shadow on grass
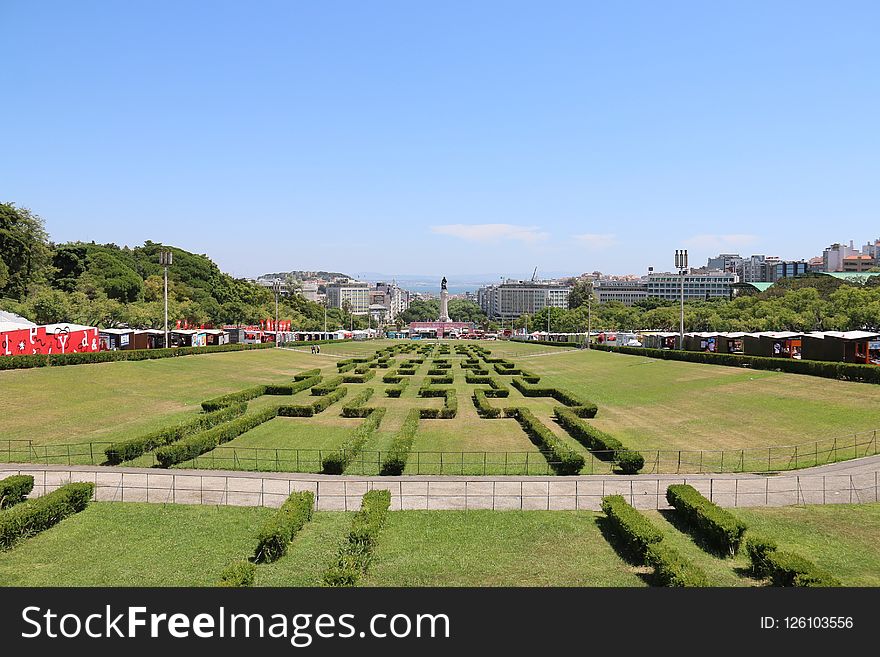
(623, 549)
(700, 541)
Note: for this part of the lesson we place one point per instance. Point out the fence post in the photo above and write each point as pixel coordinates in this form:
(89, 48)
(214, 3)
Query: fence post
(736, 492)
(712, 488)
(91, 455)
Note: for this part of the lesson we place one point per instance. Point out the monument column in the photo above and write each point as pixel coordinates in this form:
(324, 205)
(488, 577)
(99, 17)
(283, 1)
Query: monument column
(444, 301)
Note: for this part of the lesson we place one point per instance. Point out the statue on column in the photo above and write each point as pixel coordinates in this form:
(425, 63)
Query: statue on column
(444, 302)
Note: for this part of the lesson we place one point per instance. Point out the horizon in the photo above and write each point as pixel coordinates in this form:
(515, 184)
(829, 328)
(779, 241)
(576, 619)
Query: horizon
(573, 137)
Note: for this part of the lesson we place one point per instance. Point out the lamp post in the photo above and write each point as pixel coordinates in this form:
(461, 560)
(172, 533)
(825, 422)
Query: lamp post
(165, 259)
(681, 261)
(276, 288)
(589, 314)
(325, 317)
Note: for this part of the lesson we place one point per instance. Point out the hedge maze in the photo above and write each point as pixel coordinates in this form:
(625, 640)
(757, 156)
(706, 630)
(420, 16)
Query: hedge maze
(400, 395)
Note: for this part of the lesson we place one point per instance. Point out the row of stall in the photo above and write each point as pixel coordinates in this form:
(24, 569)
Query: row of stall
(837, 346)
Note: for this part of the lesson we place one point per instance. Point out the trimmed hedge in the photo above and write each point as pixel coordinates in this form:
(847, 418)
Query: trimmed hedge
(396, 390)
(359, 377)
(563, 460)
(238, 574)
(450, 403)
(636, 531)
(197, 444)
(791, 569)
(307, 374)
(247, 394)
(720, 528)
(328, 386)
(86, 358)
(828, 370)
(484, 409)
(597, 441)
(126, 450)
(41, 513)
(506, 370)
(317, 406)
(672, 569)
(759, 548)
(583, 409)
(356, 553)
(398, 453)
(277, 532)
(15, 489)
(338, 461)
(355, 407)
(441, 380)
(784, 568)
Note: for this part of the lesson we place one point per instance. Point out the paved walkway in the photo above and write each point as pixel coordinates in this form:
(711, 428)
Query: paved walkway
(845, 482)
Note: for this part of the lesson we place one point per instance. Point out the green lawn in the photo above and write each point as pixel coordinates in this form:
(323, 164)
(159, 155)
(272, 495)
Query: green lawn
(496, 548)
(135, 544)
(841, 538)
(649, 404)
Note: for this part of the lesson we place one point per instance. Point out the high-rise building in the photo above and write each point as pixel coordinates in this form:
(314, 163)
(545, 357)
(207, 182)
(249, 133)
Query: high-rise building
(353, 294)
(626, 291)
(511, 299)
(697, 285)
(832, 257)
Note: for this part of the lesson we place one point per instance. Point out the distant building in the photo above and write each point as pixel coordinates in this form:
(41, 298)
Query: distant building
(511, 299)
(787, 269)
(697, 285)
(627, 292)
(833, 256)
(309, 290)
(352, 294)
(860, 262)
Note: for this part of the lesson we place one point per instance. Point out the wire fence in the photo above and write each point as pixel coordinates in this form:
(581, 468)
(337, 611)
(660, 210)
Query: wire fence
(249, 489)
(472, 463)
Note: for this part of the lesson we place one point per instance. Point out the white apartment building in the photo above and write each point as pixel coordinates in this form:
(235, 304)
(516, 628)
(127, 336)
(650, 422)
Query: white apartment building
(702, 285)
(511, 299)
(354, 294)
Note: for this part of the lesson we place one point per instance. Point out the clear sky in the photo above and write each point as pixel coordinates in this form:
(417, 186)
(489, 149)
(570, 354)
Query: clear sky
(445, 137)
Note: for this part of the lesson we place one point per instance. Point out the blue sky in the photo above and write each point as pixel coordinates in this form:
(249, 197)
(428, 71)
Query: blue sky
(453, 137)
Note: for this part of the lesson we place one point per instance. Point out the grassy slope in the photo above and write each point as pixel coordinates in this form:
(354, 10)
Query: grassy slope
(647, 403)
(496, 548)
(116, 544)
(134, 544)
(839, 538)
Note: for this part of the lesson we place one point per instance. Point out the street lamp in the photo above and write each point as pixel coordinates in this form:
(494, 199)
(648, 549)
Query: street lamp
(165, 259)
(276, 288)
(681, 262)
(589, 313)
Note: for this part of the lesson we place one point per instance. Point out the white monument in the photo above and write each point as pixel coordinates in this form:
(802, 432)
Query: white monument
(444, 302)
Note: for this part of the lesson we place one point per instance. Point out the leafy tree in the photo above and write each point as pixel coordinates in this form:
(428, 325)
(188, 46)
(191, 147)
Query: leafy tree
(464, 310)
(24, 251)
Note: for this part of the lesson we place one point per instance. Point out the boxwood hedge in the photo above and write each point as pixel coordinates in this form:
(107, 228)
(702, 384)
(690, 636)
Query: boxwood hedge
(356, 553)
(339, 460)
(15, 489)
(355, 406)
(398, 453)
(277, 532)
(720, 528)
(126, 450)
(238, 574)
(633, 528)
(41, 513)
(562, 459)
(671, 568)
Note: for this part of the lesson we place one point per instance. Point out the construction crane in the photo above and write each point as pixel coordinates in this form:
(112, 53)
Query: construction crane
(534, 273)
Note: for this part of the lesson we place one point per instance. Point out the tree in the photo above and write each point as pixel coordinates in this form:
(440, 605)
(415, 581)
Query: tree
(580, 292)
(464, 310)
(24, 251)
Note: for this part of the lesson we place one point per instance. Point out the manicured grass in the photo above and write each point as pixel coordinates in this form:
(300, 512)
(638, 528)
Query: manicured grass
(496, 548)
(111, 401)
(134, 544)
(309, 554)
(646, 403)
(841, 538)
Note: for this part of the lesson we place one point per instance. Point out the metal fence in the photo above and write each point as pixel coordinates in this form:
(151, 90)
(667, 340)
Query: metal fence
(248, 489)
(476, 463)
